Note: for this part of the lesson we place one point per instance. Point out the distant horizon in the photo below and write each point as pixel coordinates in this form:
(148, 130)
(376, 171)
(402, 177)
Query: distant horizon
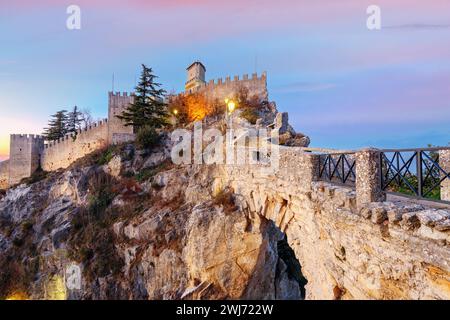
(344, 86)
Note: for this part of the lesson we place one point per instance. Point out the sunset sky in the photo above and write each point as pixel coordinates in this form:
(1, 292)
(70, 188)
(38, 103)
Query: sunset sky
(342, 84)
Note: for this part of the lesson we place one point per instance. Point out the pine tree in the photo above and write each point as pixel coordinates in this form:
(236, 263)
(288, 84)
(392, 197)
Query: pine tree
(148, 108)
(74, 121)
(57, 126)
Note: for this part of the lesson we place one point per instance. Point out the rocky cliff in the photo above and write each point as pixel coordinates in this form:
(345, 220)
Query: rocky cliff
(139, 228)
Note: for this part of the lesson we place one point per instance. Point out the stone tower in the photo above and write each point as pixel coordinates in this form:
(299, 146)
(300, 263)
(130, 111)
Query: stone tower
(117, 131)
(24, 156)
(195, 76)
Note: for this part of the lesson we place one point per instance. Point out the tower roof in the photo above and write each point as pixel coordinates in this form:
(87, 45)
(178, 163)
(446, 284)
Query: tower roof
(194, 63)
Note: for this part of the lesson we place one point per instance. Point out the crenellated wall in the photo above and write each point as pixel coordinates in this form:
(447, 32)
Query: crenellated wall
(4, 174)
(63, 152)
(24, 156)
(381, 250)
(225, 88)
(117, 131)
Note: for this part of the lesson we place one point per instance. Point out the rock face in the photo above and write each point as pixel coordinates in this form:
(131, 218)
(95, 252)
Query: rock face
(172, 236)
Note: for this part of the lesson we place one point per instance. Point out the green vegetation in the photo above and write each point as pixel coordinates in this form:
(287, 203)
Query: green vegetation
(18, 264)
(91, 241)
(401, 187)
(107, 155)
(57, 126)
(147, 173)
(148, 108)
(431, 175)
(64, 122)
(147, 137)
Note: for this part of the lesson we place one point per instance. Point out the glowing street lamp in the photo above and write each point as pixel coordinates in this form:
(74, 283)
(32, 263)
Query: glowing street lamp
(175, 112)
(230, 104)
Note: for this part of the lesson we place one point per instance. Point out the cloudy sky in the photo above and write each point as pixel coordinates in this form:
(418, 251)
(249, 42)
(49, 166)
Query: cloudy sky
(342, 84)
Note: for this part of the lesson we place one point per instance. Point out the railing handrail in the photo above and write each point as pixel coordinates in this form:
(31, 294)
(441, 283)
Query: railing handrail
(415, 149)
(337, 151)
(329, 151)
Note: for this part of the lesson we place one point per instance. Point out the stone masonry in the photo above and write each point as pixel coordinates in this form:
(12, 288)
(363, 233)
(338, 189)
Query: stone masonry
(444, 162)
(379, 250)
(4, 174)
(24, 156)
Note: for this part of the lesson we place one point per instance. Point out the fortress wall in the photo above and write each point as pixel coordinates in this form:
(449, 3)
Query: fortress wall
(24, 156)
(226, 88)
(380, 251)
(62, 153)
(117, 103)
(4, 174)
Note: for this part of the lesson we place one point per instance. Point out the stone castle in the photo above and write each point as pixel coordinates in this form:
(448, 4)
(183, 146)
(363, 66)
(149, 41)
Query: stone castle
(29, 152)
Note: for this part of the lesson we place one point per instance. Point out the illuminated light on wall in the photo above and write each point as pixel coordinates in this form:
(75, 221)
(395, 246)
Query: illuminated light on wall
(17, 296)
(55, 289)
(231, 105)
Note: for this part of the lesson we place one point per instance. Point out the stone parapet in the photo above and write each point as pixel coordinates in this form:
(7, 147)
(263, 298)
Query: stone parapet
(368, 177)
(444, 163)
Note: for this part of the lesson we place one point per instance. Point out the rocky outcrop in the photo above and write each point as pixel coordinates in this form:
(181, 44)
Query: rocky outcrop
(139, 227)
(174, 236)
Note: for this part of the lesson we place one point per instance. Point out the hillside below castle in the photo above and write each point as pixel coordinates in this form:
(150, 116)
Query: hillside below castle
(137, 226)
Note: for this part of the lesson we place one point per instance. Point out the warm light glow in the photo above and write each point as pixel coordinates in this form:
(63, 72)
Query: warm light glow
(175, 112)
(231, 106)
(4, 147)
(17, 296)
(55, 288)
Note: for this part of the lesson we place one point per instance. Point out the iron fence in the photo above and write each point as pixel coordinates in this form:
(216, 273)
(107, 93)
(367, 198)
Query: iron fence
(414, 172)
(338, 168)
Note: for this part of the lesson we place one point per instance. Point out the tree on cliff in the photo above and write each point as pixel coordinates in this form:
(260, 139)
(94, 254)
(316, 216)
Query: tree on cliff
(57, 126)
(148, 108)
(74, 121)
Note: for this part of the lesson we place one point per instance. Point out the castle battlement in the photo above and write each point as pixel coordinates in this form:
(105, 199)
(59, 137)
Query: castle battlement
(236, 80)
(120, 94)
(69, 138)
(31, 137)
(222, 88)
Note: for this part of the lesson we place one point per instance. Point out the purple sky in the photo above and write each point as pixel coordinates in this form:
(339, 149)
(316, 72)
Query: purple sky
(343, 85)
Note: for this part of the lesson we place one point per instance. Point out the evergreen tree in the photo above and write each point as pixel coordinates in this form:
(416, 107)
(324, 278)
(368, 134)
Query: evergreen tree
(74, 121)
(148, 108)
(57, 126)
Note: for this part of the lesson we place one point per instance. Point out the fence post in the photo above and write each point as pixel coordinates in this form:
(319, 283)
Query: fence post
(368, 177)
(315, 166)
(444, 163)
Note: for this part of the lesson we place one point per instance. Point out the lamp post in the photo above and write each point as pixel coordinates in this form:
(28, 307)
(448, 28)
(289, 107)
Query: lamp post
(230, 106)
(175, 113)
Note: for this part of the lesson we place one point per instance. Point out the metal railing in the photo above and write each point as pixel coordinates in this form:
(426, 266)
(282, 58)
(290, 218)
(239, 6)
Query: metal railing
(338, 168)
(413, 172)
